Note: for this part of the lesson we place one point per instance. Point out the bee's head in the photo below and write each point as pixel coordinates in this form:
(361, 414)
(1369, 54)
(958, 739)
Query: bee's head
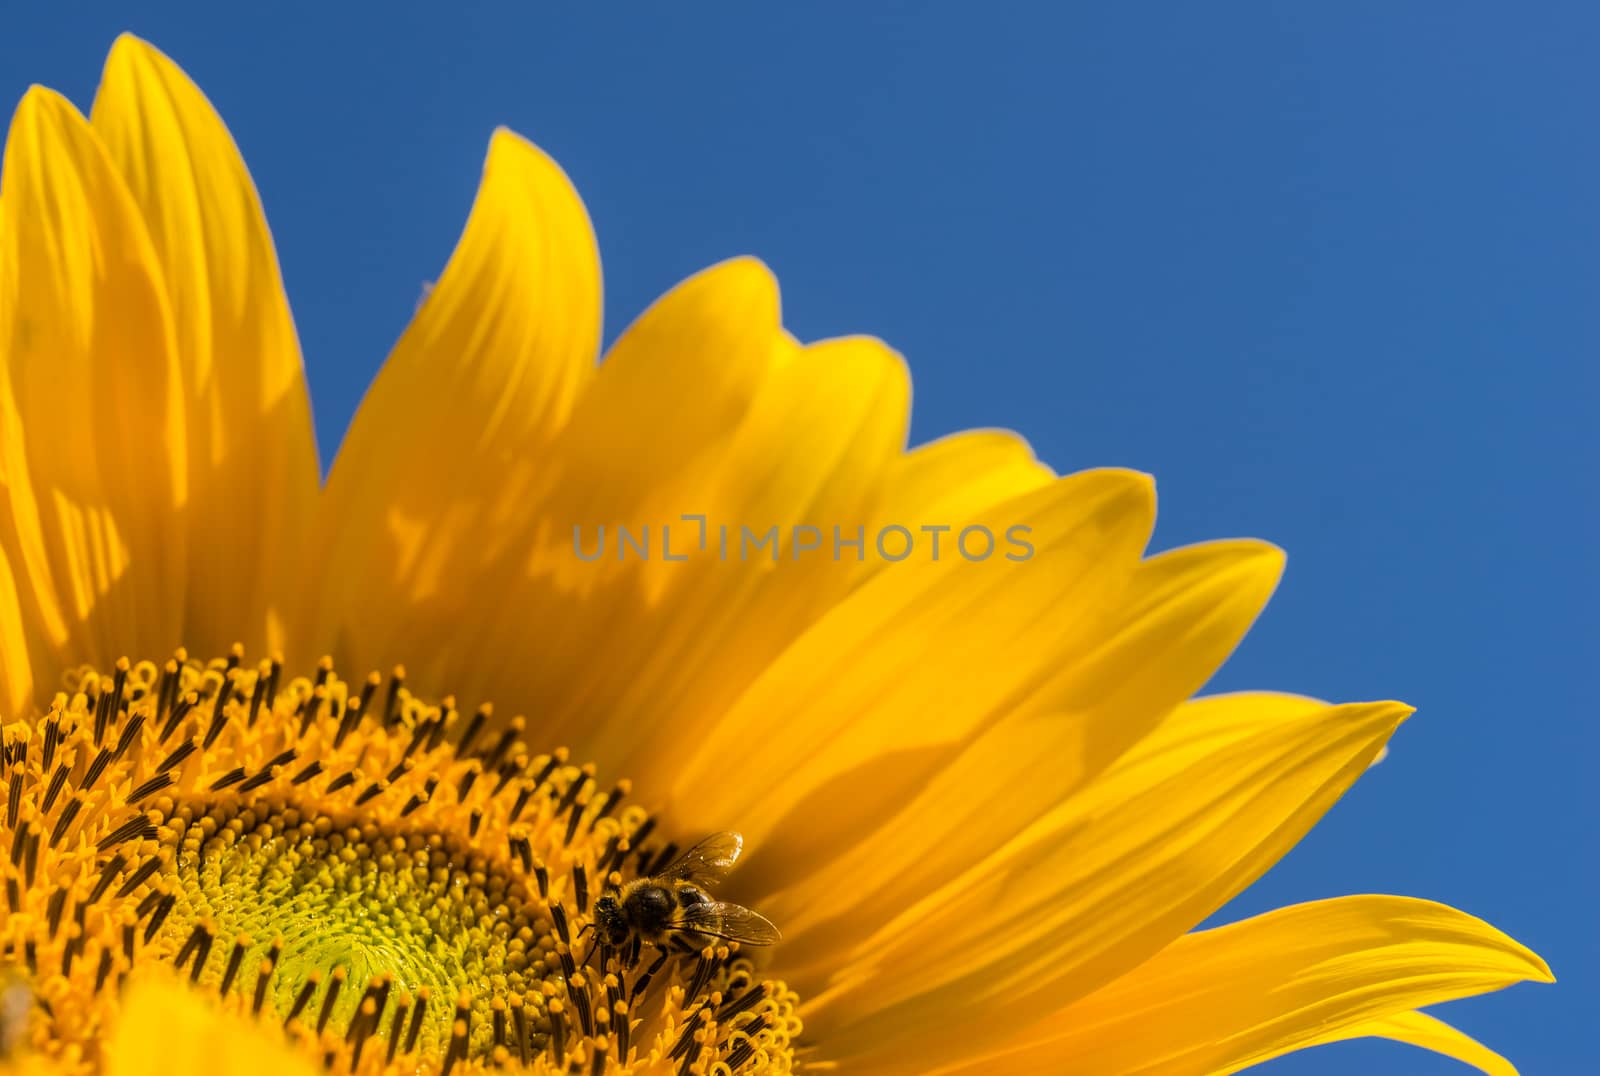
(609, 922)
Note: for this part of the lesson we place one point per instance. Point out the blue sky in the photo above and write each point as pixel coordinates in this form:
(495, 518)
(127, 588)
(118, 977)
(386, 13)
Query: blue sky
(1329, 275)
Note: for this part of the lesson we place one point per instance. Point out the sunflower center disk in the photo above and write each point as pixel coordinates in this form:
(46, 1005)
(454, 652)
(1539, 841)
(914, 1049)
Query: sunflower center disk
(380, 876)
(416, 915)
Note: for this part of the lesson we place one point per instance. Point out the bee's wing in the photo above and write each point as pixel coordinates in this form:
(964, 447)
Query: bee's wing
(731, 921)
(709, 861)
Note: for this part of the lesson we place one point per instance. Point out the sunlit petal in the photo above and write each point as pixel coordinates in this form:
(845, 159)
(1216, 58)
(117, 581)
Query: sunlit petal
(252, 459)
(96, 458)
(1224, 999)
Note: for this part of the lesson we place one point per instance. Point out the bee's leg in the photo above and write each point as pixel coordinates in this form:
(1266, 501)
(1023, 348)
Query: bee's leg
(593, 945)
(633, 953)
(644, 980)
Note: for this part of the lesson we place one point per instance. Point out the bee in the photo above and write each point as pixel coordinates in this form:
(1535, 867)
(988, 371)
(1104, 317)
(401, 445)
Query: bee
(672, 912)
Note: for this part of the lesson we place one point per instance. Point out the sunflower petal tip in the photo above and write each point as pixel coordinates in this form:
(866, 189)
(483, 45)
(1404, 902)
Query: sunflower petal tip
(128, 42)
(751, 265)
(1261, 556)
(744, 279)
(860, 341)
(1143, 481)
(1130, 475)
(37, 91)
(40, 102)
(1387, 713)
(504, 137)
(1538, 969)
(1395, 713)
(504, 143)
(509, 145)
(1130, 489)
(130, 50)
(1018, 439)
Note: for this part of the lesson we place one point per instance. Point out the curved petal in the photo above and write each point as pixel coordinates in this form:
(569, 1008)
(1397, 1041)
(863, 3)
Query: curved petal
(812, 452)
(480, 384)
(1160, 643)
(673, 391)
(95, 457)
(252, 459)
(1178, 618)
(16, 671)
(1420, 1029)
(881, 693)
(950, 481)
(1221, 1000)
(39, 626)
(497, 555)
(165, 1029)
(645, 446)
(1185, 820)
(33, 1064)
(1184, 614)
(1006, 779)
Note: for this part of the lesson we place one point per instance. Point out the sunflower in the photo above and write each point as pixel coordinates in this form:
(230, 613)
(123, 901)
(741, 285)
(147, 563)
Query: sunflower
(971, 789)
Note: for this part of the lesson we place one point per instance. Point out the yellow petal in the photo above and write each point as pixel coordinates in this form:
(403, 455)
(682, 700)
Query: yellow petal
(812, 451)
(1420, 1029)
(1007, 778)
(38, 627)
(39, 630)
(1185, 820)
(1221, 1000)
(94, 383)
(1185, 612)
(885, 690)
(1181, 615)
(649, 440)
(165, 1029)
(953, 477)
(480, 384)
(950, 481)
(252, 460)
(16, 671)
(1175, 622)
(33, 1064)
(672, 392)
(498, 556)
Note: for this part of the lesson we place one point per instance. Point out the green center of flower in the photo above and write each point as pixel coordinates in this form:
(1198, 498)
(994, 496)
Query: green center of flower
(416, 915)
(380, 876)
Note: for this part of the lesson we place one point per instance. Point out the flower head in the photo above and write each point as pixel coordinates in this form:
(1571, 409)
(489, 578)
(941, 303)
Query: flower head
(956, 807)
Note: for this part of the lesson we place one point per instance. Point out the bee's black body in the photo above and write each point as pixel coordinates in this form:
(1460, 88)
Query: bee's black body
(652, 913)
(671, 912)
